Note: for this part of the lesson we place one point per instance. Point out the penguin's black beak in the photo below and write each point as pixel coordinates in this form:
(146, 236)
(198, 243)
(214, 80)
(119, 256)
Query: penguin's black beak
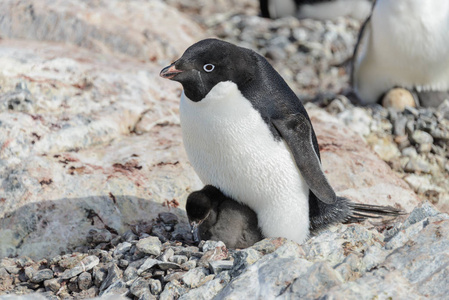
(195, 231)
(170, 71)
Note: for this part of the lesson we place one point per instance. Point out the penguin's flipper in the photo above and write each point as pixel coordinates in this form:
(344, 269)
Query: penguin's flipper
(296, 130)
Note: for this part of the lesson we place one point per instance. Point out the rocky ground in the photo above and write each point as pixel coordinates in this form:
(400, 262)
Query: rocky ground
(93, 177)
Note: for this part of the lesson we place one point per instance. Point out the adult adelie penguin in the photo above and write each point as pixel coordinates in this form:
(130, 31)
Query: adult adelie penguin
(404, 44)
(246, 133)
(316, 9)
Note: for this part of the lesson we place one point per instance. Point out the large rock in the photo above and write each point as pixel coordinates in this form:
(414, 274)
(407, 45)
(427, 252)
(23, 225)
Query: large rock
(89, 138)
(129, 27)
(353, 169)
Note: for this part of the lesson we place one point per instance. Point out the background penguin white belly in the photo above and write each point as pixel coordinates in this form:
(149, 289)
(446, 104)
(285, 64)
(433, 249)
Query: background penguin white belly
(232, 148)
(405, 43)
(316, 9)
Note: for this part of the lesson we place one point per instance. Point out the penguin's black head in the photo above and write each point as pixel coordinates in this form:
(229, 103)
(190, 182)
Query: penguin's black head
(209, 62)
(198, 207)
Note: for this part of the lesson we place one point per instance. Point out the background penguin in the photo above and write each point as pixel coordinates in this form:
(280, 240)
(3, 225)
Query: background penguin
(246, 133)
(404, 44)
(213, 216)
(316, 9)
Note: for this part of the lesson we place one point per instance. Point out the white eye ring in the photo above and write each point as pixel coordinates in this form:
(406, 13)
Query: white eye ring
(208, 68)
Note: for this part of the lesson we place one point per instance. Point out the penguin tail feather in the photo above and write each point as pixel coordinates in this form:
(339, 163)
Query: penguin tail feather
(361, 212)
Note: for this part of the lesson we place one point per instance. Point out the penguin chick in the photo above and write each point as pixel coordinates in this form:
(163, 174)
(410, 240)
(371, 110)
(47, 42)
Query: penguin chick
(213, 216)
(404, 43)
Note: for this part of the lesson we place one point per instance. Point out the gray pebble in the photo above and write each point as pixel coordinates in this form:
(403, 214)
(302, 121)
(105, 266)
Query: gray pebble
(122, 248)
(220, 265)
(147, 265)
(193, 277)
(97, 236)
(168, 218)
(85, 264)
(417, 164)
(211, 245)
(150, 245)
(178, 259)
(99, 274)
(421, 137)
(42, 275)
(29, 272)
(167, 255)
(155, 286)
(168, 265)
(52, 285)
(114, 274)
(139, 287)
(84, 281)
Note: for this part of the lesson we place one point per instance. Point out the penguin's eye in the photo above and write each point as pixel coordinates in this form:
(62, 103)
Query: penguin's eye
(208, 67)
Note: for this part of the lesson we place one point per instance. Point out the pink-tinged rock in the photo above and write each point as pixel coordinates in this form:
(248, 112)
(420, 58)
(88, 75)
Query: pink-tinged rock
(354, 170)
(145, 30)
(70, 160)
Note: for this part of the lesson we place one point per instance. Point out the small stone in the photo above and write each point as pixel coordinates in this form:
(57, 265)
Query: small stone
(122, 248)
(399, 125)
(409, 151)
(23, 262)
(211, 245)
(150, 245)
(84, 265)
(97, 236)
(72, 285)
(398, 98)
(187, 251)
(173, 276)
(129, 236)
(421, 137)
(168, 218)
(179, 259)
(123, 263)
(52, 285)
(84, 281)
(147, 296)
(12, 269)
(147, 265)
(220, 265)
(139, 287)
(42, 275)
(168, 254)
(192, 263)
(193, 277)
(155, 286)
(243, 259)
(117, 288)
(99, 274)
(168, 265)
(417, 164)
(425, 148)
(29, 272)
(114, 275)
(130, 273)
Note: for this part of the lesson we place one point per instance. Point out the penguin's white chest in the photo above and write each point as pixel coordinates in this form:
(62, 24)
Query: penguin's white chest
(231, 147)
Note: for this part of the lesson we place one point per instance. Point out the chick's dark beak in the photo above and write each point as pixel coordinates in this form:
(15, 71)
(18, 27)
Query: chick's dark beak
(169, 72)
(195, 231)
